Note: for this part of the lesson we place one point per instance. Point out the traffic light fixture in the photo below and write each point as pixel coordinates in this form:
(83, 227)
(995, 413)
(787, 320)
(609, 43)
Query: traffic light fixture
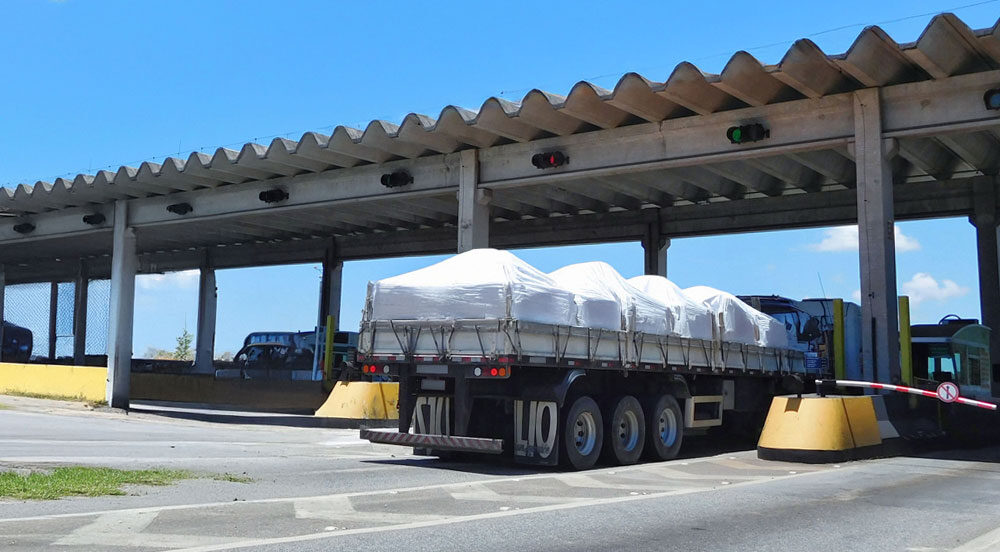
(747, 133)
(549, 160)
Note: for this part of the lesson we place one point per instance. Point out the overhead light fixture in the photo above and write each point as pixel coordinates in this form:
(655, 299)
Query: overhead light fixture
(180, 208)
(24, 228)
(94, 219)
(747, 133)
(992, 98)
(273, 195)
(549, 160)
(396, 179)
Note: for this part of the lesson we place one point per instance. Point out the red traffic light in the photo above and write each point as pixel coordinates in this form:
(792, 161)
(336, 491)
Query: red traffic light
(549, 160)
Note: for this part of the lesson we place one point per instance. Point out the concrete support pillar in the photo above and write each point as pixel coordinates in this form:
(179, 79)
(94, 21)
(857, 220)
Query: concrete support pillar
(655, 248)
(123, 267)
(330, 287)
(53, 313)
(208, 297)
(3, 316)
(80, 314)
(473, 205)
(876, 227)
(987, 243)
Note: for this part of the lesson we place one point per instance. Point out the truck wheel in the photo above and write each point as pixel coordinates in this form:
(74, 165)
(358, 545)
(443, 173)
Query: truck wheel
(583, 433)
(666, 429)
(626, 432)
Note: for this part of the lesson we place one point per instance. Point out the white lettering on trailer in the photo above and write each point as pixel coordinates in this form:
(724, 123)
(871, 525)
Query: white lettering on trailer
(536, 440)
(435, 419)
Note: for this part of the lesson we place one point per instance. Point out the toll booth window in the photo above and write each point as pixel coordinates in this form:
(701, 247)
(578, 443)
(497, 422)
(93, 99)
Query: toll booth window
(975, 371)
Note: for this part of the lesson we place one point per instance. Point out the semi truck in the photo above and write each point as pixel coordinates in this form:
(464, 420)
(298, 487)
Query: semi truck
(549, 393)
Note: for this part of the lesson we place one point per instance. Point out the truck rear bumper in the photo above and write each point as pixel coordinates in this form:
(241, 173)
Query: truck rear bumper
(436, 442)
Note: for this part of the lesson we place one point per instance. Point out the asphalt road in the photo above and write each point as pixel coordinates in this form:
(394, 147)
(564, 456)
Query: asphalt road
(323, 489)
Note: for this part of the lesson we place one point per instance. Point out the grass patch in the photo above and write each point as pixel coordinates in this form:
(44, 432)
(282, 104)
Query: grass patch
(232, 478)
(4, 407)
(76, 398)
(82, 481)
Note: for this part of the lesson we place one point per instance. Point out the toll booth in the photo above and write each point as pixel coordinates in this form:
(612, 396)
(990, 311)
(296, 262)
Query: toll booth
(957, 350)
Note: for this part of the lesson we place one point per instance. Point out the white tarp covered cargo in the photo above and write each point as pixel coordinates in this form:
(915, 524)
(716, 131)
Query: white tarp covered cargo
(597, 283)
(690, 318)
(482, 283)
(740, 322)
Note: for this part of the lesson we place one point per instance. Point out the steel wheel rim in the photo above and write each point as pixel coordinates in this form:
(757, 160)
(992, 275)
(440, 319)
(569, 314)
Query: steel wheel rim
(584, 433)
(666, 427)
(628, 430)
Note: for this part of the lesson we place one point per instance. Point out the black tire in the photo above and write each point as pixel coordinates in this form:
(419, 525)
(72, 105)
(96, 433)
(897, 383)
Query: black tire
(625, 432)
(664, 429)
(583, 434)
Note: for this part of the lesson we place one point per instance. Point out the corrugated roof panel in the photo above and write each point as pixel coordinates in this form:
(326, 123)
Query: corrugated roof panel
(946, 47)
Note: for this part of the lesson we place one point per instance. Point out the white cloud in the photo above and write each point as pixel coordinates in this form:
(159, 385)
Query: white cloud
(185, 279)
(845, 238)
(856, 296)
(923, 287)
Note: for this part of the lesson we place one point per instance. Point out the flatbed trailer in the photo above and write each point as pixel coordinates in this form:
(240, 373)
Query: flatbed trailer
(546, 393)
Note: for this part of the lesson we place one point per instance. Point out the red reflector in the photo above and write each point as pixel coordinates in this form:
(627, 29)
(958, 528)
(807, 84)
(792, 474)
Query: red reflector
(503, 360)
(503, 371)
(493, 371)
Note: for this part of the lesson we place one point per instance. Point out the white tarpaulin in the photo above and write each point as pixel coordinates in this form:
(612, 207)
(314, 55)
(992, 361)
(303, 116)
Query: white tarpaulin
(690, 318)
(740, 322)
(596, 283)
(492, 284)
(482, 283)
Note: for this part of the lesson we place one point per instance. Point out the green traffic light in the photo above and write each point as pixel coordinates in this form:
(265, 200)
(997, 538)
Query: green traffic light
(737, 135)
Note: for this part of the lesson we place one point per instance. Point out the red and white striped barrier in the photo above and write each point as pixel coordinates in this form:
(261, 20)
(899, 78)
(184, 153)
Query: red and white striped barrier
(946, 392)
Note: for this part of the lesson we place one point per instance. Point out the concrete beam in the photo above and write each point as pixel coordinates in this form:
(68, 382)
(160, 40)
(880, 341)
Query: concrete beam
(879, 316)
(122, 312)
(987, 243)
(208, 299)
(473, 205)
(80, 314)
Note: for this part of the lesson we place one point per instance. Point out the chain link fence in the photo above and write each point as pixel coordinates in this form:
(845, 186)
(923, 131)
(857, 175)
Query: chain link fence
(30, 306)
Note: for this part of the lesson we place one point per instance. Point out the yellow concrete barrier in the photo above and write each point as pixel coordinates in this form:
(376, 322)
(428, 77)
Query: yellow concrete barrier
(362, 400)
(820, 429)
(86, 383)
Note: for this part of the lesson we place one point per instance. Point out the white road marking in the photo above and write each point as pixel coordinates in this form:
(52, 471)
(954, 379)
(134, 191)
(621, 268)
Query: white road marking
(462, 519)
(442, 486)
(126, 529)
(986, 542)
(339, 508)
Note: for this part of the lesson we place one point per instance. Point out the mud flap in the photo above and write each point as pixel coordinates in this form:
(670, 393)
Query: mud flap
(432, 415)
(536, 432)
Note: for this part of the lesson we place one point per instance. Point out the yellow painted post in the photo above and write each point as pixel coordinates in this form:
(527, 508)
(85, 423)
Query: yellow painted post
(328, 350)
(839, 362)
(905, 341)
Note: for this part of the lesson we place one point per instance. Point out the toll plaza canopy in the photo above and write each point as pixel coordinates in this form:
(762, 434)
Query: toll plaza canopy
(884, 131)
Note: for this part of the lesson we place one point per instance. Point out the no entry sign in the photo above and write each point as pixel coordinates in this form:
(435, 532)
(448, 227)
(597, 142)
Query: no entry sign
(947, 392)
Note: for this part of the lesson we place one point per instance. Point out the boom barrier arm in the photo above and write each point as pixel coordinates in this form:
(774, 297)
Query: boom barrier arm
(941, 393)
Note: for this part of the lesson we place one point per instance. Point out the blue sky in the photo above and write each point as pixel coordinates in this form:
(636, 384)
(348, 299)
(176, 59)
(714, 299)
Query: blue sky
(96, 85)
